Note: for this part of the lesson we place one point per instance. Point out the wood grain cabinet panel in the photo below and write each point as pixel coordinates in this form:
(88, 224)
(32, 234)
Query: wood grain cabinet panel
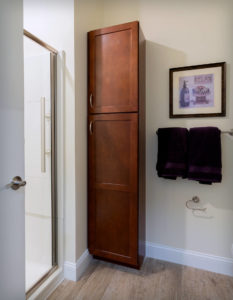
(112, 150)
(116, 144)
(113, 182)
(113, 69)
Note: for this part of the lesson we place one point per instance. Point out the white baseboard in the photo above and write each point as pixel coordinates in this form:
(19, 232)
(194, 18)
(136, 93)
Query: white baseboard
(199, 260)
(73, 271)
(190, 258)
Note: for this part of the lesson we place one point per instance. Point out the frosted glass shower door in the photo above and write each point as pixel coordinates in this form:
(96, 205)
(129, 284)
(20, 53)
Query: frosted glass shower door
(38, 193)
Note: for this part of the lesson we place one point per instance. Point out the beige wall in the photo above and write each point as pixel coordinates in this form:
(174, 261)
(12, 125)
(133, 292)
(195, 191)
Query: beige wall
(179, 34)
(88, 16)
(120, 11)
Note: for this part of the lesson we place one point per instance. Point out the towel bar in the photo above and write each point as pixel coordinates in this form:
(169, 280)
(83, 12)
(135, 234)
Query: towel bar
(230, 132)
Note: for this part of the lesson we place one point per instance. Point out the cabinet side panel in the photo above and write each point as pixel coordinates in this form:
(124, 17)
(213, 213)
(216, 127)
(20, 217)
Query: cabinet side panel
(142, 143)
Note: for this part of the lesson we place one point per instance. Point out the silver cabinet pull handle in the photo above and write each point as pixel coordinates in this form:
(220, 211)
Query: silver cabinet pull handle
(91, 127)
(17, 182)
(91, 100)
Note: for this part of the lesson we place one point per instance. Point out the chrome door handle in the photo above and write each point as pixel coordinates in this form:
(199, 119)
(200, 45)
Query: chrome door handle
(43, 146)
(42, 112)
(17, 182)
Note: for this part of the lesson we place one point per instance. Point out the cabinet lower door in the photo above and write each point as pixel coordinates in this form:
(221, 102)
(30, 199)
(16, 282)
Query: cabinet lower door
(113, 187)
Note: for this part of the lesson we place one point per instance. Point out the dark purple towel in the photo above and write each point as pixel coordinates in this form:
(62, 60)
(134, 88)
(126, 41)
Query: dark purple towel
(204, 162)
(172, 152)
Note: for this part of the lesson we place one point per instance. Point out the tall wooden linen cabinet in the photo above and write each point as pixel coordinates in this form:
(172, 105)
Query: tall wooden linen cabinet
(116, 144)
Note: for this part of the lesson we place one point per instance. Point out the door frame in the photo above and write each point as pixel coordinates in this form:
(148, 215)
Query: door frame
(53, 84)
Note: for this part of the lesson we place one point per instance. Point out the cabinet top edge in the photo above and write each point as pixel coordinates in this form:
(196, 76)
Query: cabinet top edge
(113, 28)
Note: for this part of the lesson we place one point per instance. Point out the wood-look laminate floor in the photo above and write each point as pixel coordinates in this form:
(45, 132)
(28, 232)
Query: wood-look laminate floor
(156, 280)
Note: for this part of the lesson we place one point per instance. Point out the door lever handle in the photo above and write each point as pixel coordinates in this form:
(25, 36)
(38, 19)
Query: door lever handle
(17, 182)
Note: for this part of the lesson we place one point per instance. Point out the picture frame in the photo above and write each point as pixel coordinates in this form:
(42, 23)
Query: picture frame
(198, 91)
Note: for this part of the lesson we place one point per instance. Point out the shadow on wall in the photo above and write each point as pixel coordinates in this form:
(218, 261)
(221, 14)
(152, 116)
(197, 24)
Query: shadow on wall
(166, 198)
(161, 208)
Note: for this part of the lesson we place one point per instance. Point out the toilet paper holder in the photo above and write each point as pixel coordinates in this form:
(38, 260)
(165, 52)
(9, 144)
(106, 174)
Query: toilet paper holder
(195, 200)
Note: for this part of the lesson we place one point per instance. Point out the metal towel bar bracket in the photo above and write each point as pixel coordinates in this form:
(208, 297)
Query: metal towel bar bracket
(230, 132)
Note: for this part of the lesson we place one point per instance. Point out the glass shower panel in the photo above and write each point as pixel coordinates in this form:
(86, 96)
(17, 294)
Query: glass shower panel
(37, 124)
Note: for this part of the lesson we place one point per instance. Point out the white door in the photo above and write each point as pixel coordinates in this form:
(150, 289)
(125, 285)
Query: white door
(12, 240)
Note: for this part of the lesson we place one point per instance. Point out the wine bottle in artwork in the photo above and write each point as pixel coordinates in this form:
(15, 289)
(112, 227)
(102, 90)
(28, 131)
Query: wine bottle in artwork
(184, 96)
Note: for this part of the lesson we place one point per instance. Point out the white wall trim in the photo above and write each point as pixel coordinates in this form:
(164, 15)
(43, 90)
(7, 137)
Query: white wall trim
(73, 271)
(199, 260)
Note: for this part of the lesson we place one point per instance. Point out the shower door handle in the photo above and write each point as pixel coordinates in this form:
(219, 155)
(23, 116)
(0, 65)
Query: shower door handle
(43, 150)
(42, 111)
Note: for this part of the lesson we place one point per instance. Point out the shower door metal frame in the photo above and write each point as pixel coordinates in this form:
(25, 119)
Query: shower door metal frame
(53, 94)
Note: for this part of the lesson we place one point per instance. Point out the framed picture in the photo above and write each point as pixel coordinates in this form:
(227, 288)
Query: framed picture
(198, 91)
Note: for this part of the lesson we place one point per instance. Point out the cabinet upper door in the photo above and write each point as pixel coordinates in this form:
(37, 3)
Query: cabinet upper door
(113, 69)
